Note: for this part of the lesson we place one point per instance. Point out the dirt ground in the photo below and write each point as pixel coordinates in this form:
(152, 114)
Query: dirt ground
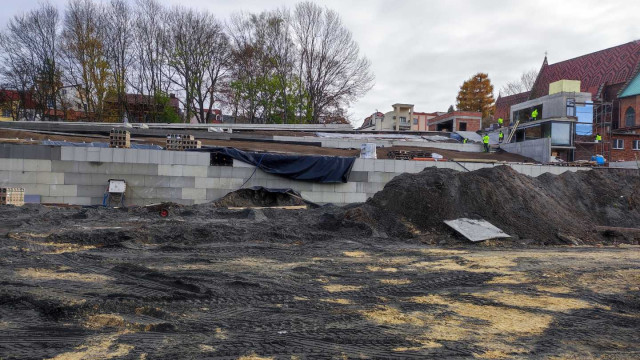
(213, 283)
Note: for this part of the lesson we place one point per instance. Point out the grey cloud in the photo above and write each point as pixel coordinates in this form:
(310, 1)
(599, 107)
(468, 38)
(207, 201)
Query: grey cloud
(422, 50)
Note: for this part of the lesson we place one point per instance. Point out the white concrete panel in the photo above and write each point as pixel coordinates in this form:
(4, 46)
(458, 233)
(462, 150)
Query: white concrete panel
(93, 154)
(207, 183)
(106, 155)
(63, 190)
(346, 188)
(171, 170)
(49, 178)
(37, 165)
(194, 194)
(193, 170)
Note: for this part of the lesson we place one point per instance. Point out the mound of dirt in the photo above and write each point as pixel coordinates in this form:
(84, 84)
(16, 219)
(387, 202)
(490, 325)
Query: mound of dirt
(549, 209)
(260, 197)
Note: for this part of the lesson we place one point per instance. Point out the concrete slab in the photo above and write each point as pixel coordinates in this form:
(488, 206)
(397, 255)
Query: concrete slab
(476, 230)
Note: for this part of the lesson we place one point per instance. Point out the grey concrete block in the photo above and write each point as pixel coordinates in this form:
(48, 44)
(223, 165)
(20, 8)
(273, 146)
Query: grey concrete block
(315, 197)
(93, 154)
(169, 193)
(37, 165)
(52, 200)
(226, 172)
(359, 176)
(137, 192)
(349, 187)
(214, 171)
(194, 194)
(36, 189)
(170, 170)
(86, 167)
(144, 169)
(132, 180)
(192, 170)
(119, 155)
(64, 166)
(143, 156)
(91, 190)
(16, 152)
(55, 152)
(67, 153)
(76, 200)
(157, 181)
(358, 165)
(12, 164)
(317, 187)
(100, 179)
(378, 165)
(106, 155)
(77, 179)
(241, 173)
(166, 157)
(120, 168)
(50, 178)
(154, 156)
(182, 182)
(179, 158)
(214, 194)
(334, 198)
(63, 190)
(207, 183)
(5, 151)
(131, 156)
(352, 198)
(241, 164)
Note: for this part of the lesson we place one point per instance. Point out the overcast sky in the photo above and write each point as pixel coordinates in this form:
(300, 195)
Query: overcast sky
(421, 50)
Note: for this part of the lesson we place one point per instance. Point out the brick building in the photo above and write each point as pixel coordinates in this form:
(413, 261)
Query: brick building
(456, 121)
(611, 77)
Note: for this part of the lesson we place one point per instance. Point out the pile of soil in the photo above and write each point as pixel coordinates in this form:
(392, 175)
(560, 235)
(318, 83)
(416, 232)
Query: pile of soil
(548, 209)
(260, 197)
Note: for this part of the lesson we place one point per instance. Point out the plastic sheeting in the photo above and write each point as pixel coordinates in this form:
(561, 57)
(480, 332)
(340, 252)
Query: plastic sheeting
(321, 169)
(98, 145)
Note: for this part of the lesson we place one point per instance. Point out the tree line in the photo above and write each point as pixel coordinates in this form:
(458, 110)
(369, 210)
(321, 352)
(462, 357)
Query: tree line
(297, 65)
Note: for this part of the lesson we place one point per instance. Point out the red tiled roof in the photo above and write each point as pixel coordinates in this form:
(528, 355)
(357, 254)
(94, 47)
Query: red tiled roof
(610, 66)
(12, 95)
(504, 104)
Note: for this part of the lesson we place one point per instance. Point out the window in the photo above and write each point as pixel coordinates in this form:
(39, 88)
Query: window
(636, 144)
(403, 119)
(571, 107)
(630, 117)
(6, 113)
(415, 121)
(560, 134)
(462, 126)
(618, 144)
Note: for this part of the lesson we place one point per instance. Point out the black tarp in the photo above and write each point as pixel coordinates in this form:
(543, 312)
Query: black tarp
(322, 169)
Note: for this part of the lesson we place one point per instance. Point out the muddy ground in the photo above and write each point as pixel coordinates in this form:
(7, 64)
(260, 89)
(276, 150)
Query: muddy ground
(210, 283)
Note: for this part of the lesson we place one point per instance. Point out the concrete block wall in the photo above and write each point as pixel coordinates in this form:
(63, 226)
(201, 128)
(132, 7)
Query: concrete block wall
(66, 175)
(538, 150)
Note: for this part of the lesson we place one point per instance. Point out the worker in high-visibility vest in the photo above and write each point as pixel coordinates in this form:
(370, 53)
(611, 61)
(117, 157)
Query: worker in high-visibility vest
(485, 141)
(598, 138)
(500, 137)
(534, 114)
(500, 122)
(464, 141)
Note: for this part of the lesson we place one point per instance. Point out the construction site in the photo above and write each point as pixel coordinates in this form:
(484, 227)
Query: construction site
(157, 241)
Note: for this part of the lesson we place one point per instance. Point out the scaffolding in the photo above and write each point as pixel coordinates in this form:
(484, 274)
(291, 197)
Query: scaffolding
(602, 124)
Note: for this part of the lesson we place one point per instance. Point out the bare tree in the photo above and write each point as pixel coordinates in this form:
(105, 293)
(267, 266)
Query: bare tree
(118, 43)
(85, 58)
(524, 84)
(149, 52)
(30, 60)
(333, 72)
(197, 50)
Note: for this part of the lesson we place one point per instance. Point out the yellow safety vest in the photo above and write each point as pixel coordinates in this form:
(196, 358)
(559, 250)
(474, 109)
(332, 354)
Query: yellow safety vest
(485, 139)
(500, 121)
(598, 138)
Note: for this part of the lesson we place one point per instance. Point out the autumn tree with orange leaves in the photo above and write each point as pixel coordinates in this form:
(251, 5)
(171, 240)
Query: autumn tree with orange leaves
(476, 94)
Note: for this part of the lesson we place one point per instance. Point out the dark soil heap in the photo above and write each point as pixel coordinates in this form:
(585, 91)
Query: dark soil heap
(260, 197)
(549, 209)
